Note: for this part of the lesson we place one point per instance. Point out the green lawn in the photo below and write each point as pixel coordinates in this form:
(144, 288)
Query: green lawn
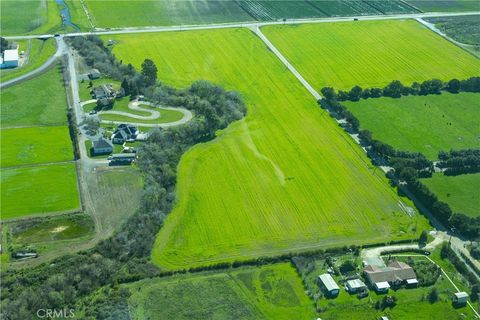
(38, 52)
(460, 192)
(426, 124)
(29, 16)
(35, 145)
(40, 189)
(164, 12)
(370, 53)
(445, 5)
(39, 101)
(269, 292)
(284, 178)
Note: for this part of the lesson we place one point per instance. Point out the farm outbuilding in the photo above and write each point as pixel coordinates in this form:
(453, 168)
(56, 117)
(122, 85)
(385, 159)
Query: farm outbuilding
(9, 59)
(102, 146)
(94, 74)
(329, 284)
(356, 285)
(460, 297)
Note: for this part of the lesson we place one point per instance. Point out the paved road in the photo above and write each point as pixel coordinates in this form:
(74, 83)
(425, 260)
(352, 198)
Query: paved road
(50, 61)
(254, 24)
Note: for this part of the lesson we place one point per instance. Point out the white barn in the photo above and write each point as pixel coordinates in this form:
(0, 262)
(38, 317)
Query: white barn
(9, 59)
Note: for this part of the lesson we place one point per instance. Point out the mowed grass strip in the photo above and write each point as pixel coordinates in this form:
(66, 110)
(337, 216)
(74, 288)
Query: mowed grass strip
(37, 190)
(35, 145)
(284, 178)
(38, 101)
(460, 192)
(370, 53)
(427, 124)
(268, 292)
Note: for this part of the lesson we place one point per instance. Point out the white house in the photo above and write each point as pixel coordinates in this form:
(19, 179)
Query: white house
(9, 59)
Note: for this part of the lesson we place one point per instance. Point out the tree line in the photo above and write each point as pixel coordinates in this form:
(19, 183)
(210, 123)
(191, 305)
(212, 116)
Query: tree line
(88, 281)
(396, 89)
(457, 162)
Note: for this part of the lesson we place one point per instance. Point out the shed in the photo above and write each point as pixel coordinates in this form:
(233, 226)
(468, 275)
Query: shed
(9, 59)
(382, 287)
(329, 284)
(460, 297)
(356, 285)
(412, 283)
(94, 74)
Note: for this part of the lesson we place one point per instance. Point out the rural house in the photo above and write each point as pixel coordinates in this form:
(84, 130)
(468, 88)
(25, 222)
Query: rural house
(101, 146)
(329, 285)
(124, 133)
(94, 74)
(9, 59)
(103, 91)
(394, 274)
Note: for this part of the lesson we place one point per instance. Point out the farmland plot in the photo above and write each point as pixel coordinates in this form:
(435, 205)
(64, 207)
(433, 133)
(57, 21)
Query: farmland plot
(445, 5)
(427, 124)
(269, 292)
(460, 192)
(391, 6)
(370, 53)
(284, 178)
(274, 10)
(344, 8)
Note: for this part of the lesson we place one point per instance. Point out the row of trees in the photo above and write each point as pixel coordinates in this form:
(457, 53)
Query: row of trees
(460, 161)
(87, 281)
(396, 89)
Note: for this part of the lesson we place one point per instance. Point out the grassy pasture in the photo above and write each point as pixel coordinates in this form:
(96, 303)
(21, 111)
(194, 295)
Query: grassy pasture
(50, 188)
(270, 292)
(445, 5)
(426, 124)
(35, 145)
(165, 12)
(39, 101)
(370, 53)
(284, 178)
(460, 192)
(38, 52)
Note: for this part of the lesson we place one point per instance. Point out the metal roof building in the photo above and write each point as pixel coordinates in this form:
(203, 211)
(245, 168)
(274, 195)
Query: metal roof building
(9, 59)
(329, 283)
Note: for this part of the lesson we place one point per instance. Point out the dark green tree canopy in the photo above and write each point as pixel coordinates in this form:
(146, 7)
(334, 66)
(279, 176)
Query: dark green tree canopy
(149, 71)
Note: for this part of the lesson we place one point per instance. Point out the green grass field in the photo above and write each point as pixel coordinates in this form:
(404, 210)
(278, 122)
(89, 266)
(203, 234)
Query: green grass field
(29, 16)
(35, 145)
(426, 124)
(370, 53)
(295, 179)
(445, 5)
(38, 190)
(269, 292)
(38, 52)
(165, 12)
(39, 101)
(460, 192)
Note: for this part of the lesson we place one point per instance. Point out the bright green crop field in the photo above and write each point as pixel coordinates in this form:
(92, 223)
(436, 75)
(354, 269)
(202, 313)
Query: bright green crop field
(29, 16)
(38, 101)
(164, 12)
(370, 53)
(38, 52)
(40, 189)
(35, 145)
(460, 192)
(284, 178)
(269, 292)
(426, 124)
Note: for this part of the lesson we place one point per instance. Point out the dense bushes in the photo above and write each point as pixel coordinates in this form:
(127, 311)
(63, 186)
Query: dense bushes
(459, 161)
(396, 89)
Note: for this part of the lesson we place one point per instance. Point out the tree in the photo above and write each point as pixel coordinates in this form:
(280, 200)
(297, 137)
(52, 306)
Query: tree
(328, 93)
(475, 293)
(149, 71)
(394, 89)
(125, 86)
(3, 44)
(355, 93)
(342, 95)
(433, 295)
(408, 174)
(423, 237)
(453, 86)
(347, 266)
